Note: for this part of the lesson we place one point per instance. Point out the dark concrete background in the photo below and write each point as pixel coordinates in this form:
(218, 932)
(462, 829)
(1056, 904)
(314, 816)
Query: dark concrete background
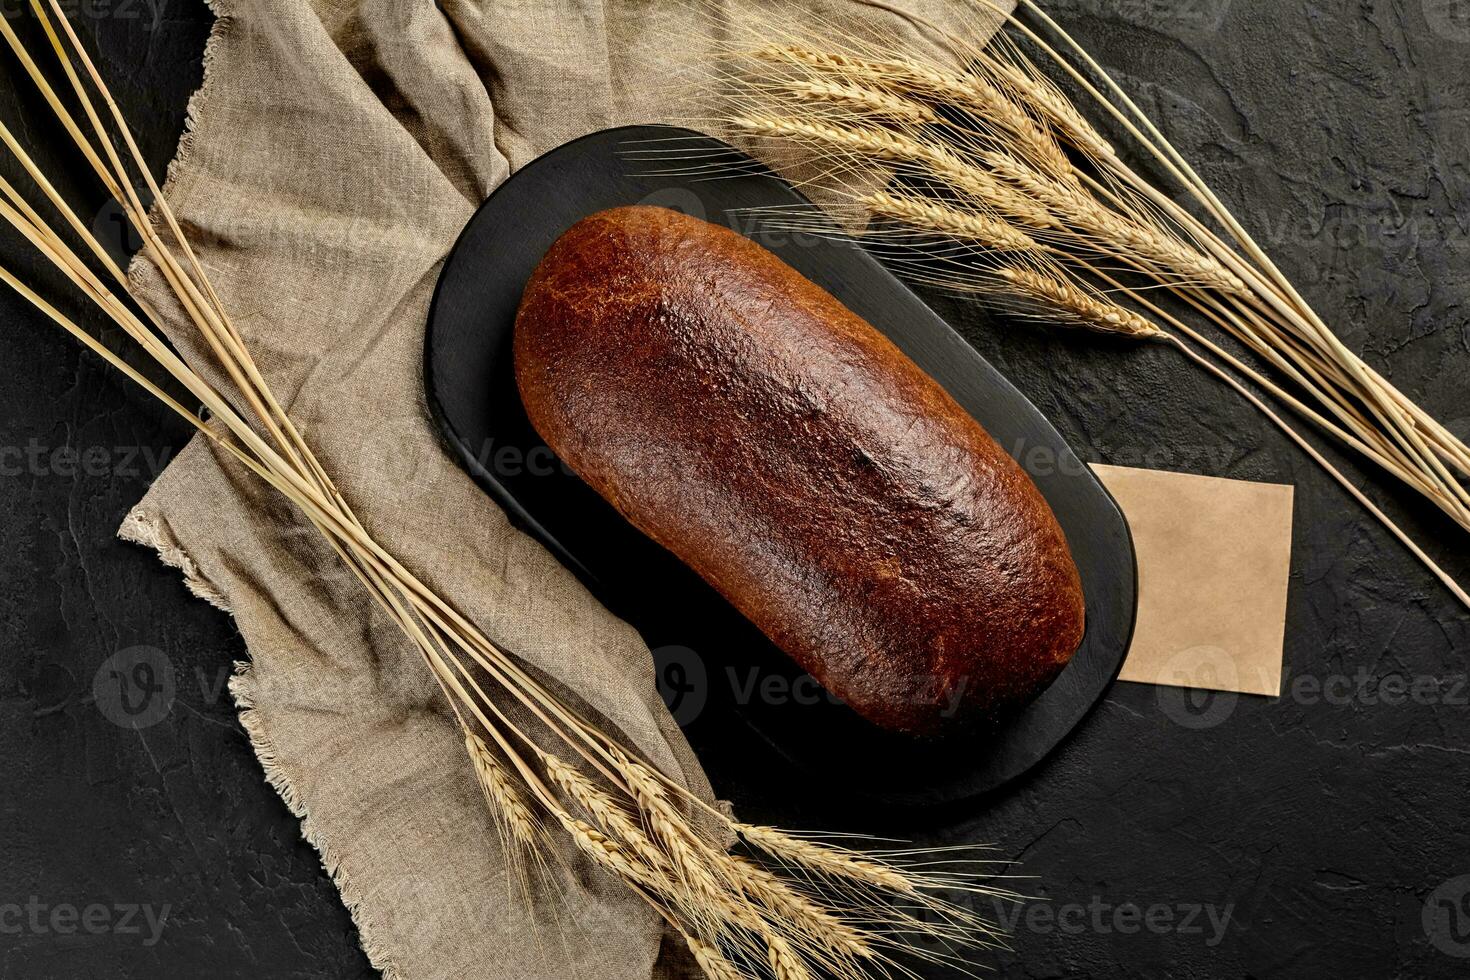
(1319, 835)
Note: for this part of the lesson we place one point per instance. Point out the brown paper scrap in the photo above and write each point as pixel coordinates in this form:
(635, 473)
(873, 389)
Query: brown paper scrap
(1214, 556)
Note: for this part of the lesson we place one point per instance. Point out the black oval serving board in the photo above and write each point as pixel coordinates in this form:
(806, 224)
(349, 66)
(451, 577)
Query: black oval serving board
(708, 654)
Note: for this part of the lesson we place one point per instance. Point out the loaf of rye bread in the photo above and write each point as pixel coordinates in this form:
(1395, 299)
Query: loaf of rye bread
(779, 445)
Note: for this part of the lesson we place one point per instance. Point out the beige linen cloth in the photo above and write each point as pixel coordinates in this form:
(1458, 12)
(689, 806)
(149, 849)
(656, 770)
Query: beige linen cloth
(335, 151)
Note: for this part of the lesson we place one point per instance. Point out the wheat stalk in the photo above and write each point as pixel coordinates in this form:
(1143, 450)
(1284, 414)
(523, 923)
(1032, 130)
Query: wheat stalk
(544, 765)
(1290, 313)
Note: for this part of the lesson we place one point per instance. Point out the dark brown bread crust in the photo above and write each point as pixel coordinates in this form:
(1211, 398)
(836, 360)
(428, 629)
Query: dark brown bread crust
(743, 418)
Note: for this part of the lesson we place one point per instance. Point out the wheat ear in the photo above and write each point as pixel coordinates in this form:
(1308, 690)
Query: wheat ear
(928, 214)
(1054, 293)
(987, 103)
(786, 903)
(873, 143)
(712, 961)
(517, 821)
(825, 860)
(863, 101)
(785, 964)
(1054, 107)
(1166, 255)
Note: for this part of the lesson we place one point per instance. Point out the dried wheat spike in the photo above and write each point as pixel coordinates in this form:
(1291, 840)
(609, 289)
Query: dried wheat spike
(830, 861)
(868, 101)
(605, 811)
(877, 144)
(505, 800)
(1076, 304)
(608, 853)
(1163, 252)
(712, 961)
(972, 93)
(951, 222)
(692, 875)
(1056, 108)
(787, 903)
(785, 964)
(698, 868)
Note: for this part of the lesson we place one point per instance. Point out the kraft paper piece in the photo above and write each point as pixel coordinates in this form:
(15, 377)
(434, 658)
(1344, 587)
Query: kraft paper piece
(1213, 561)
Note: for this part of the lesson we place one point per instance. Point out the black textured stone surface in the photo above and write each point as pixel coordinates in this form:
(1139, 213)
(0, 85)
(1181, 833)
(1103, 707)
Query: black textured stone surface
(1331, 826)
